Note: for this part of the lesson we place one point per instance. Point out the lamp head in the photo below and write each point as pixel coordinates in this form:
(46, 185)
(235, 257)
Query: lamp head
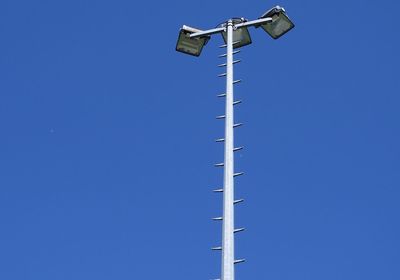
(241, 36)
(191, 46)
(280, 23)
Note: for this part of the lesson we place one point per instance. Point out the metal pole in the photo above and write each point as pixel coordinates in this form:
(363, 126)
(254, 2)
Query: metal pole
(228, 249)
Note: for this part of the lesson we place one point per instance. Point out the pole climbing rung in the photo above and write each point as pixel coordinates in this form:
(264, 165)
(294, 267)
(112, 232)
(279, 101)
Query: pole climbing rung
(225, 45)
(238, 201)
(224, 55)
(238, 174)
(216, 248)
(234, 62)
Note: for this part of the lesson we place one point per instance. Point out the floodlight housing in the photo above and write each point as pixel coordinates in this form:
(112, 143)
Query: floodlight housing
(241, 36)
(191, 46)
(280, 23)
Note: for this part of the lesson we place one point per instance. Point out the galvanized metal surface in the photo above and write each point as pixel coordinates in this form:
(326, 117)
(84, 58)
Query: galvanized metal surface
(228, 242)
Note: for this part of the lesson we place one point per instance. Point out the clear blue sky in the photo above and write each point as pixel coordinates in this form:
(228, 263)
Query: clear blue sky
(106, 144)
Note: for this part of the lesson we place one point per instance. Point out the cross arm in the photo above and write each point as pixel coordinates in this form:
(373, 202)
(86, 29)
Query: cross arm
(200, 33)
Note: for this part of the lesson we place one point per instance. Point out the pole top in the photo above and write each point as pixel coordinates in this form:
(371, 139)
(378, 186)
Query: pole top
(232, 21)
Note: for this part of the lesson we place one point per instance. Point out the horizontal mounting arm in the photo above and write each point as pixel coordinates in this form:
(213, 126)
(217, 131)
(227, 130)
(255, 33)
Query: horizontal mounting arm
(207, 32)
(256, 22)
(201, 33)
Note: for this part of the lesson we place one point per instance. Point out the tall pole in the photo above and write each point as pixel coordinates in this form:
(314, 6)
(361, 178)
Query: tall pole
(188, 44)
(228, 248)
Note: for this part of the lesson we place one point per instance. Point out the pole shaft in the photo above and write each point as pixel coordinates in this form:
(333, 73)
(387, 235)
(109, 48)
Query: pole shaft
(228, 249)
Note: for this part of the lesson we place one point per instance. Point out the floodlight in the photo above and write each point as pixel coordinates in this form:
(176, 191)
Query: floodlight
(241, 36)
(192, 46)
(280, 23)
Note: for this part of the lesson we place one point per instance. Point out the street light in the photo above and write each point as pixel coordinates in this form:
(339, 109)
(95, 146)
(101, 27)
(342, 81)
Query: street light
(235, 34)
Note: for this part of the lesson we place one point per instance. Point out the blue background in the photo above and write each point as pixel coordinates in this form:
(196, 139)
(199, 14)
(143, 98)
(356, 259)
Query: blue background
(106, 144)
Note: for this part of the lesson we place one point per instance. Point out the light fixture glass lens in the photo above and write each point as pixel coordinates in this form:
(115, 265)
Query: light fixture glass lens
(192, 46)
(280, 25)
(241, 37)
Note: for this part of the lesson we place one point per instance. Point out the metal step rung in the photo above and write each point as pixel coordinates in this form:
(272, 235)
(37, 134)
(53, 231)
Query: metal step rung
(238, 174)
(234, 62)
(220, 117)
(217, 219)
(221, 95)
(222, 75)
(220, 140)
(237, 125)
(239, 261)
(237, 102)
(225, 45)
(216, 248)
(238, 230)
(219, 164)
(234, 52)
(237, 149)
(238, 201)
(218, 190)
(237, 81)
